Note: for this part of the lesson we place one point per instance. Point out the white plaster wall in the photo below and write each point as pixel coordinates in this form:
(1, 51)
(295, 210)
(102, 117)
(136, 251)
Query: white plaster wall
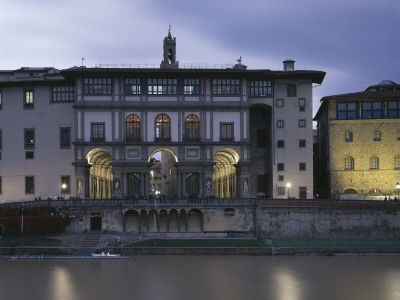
(226, 117)
(98, 117)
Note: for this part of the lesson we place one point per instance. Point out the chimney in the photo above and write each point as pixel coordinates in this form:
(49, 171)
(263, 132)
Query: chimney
(288, 65)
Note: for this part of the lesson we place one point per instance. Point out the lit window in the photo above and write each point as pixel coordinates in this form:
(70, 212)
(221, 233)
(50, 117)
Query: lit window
(132, 128)
(157, 86)
(374, 163)
(163, 128)
(132, 86)
(28, 98)
(191, 86)
(29, 136)
(397, 162)
(349, 163)
(192, 127)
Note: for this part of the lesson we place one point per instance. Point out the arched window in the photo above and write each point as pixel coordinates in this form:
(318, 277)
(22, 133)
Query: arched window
(163, 125)
(192, 128)
(397, 162)
(132, 128)
(373, 163)
(348, 136)
(377, 136)
(349, 163)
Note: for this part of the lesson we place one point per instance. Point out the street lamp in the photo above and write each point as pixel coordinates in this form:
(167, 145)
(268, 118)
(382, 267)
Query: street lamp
(398, 190)
(63, 188)
(288, 189)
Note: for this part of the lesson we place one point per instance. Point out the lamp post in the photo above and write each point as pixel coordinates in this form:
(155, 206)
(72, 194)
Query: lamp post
(63, 188)
(398, 190)
(288, 189)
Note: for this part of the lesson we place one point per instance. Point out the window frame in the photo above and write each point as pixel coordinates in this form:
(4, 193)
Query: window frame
(29, 185)
(347, 112)
(259, 88)
(377, 136)
(63, 144)
(280, 144)
(281, 191)
(191, 86)
(302, 123)
(93, 132)
(393, 113)
(133, 128)
(302, 102)
(97, 86)
(349, 163)
(374, 163)
(280, 124)
(29, 141)
(226, 87)
(162, 128)
(280, 167)
(192, 127)
(162, 86)
(29, 98)
(132, 86)
(62, 94)
(226, 133)
(371, 112)
(291, 90)
(397, 162)
(302, 143)
(348, 137)
(302, 166)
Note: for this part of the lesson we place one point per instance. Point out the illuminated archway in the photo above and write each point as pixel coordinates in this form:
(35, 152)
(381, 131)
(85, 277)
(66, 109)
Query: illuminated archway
(163, 177)
(101, 178)
(224, 173)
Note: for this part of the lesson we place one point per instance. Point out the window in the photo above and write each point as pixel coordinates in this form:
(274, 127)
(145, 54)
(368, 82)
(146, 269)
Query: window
(280, 103)
(192, 128)
(226, 86)
(28, 98)
(163, 128)
(29, 155)
(302, 104)
(397, 162)
(65, 137)
(226, 131)
(1, 190)
(281, 178)
(98, 134)
(133, 128)
(162, 86)
(302, 143)
(65, 185)
(191, 86)
(281, 144)
(281, 167)
(281, 190)
(347, 111)
(302, 166)
(373, 163)
(260, 88)
(302, 123)
(291, 90)
(97, 86)
(372, 110)
(349, 163)
(132, 86)
(1, 102)
(63, 94)
(280, 124)
(393, 110)
(377, 136)
(29, 138)
(348, 137)
(29, 185)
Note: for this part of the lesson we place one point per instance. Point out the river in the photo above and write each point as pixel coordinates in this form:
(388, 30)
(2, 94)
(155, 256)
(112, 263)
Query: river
(204, 277)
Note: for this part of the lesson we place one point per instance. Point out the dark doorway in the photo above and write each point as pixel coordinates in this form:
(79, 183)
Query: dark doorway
(303, 192)
(95, 222)
(134, 185)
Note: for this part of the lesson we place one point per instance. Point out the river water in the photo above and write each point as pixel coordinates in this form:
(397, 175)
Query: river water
(204, 277)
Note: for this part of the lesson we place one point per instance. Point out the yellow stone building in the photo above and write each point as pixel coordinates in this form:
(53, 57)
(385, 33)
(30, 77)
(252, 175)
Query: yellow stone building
(359, 144)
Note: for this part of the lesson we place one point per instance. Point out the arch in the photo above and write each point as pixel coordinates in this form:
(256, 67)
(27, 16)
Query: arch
(162, 128)
(192, 127)
(350, 192)
(132, 127)
(349, 163)
(194, 220)
(374, 192)
(224, 173)
(373, 163)
(100, 173)
(163, 149)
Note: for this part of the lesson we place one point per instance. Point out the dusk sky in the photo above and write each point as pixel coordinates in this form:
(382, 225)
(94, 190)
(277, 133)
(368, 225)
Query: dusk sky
(356, 42)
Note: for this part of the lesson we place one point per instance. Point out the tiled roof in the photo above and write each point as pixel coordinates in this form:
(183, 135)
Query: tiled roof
(364, 95)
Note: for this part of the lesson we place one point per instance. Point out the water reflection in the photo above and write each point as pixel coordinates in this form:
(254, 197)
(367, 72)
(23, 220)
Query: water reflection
(287, 285)
(62, 287)
(393, 285)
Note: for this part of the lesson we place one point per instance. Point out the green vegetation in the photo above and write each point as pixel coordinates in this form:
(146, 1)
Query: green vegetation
(29, 241)
(329, 243)
(197, 243)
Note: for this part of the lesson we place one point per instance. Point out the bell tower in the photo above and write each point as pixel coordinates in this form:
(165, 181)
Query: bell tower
(169, 52)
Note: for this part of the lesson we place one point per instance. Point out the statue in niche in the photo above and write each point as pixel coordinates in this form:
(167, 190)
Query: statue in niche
(245, 185)
(80, 186)
(208, 185)
(117, 186)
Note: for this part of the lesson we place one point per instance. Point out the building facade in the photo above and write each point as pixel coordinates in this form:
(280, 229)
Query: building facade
(92, 132)
(359, 143)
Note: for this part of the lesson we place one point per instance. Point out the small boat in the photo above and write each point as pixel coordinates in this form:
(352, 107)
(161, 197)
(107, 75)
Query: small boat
(105, 254)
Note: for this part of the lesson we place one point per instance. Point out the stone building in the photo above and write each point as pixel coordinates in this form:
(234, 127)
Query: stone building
(91, 132)
(359, 143)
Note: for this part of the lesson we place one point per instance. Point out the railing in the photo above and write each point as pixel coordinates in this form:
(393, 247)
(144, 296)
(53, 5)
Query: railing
(157, 66)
